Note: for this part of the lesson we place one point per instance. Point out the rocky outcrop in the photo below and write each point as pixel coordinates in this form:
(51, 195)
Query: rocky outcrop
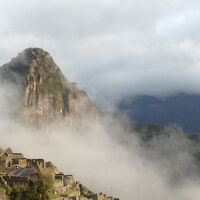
(45, 94)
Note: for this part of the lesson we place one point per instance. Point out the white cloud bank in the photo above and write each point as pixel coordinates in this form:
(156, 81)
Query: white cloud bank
(107, 157)
(112, 48)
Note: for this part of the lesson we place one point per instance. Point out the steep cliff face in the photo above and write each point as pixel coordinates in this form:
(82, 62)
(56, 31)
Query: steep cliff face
(46, 94)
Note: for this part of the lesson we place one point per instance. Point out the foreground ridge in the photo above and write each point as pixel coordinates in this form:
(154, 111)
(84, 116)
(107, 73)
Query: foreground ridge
(16, 171)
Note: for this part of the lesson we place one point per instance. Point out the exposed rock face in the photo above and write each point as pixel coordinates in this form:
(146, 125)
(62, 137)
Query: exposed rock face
(46, 94)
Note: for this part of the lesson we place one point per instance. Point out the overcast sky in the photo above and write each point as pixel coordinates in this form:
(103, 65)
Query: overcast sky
(111, 48)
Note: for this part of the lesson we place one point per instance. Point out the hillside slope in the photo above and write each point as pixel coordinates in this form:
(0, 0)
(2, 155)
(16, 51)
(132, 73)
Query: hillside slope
(181, 110)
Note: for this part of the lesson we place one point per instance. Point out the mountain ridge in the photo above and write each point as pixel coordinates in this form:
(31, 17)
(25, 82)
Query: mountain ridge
(178, 110)
(46, 93)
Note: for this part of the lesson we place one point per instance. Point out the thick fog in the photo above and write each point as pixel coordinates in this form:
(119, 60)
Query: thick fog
(112, 48)
(107, 157)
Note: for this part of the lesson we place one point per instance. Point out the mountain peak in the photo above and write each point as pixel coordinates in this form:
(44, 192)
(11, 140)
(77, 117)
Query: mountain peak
(37, 54)
(29, 60)
(46, 93)
(34, 52)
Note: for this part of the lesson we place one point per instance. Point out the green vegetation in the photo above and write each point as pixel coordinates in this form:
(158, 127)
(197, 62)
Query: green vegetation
(40, 189)
(52, 80)
(3, 193)
(19, 192)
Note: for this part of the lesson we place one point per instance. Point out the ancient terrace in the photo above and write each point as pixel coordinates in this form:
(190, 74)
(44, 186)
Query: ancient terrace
(15, 169)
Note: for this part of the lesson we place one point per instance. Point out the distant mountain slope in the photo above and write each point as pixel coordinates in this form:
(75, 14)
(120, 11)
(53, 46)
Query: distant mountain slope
(46, 94)
(182, 110)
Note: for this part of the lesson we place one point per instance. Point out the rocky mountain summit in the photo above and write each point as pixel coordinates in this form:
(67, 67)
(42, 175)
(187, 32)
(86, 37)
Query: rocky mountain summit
(45, 93)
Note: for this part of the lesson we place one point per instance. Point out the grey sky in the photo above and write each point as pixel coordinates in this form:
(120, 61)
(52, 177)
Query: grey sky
(111, 48)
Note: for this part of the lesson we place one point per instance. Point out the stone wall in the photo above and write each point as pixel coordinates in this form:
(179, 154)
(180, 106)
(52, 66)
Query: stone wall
(38, 163)
(13, 180)
(19, 163)
(69, 181)
(100, 196)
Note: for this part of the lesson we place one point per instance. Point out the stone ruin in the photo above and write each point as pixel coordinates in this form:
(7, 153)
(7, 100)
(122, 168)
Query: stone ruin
(17, 169)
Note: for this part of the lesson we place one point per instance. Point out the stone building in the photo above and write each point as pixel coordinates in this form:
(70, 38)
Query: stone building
(19, 177)
(19, 162)
(9, 157)
(63, 183)
(66, 180)
(14, 180)
(17, 155)
(50, 169)
(100, 196)
(15, 169)
(59, 180)
(69, 181)
(37, 163)
(59, 184)
(44, 167)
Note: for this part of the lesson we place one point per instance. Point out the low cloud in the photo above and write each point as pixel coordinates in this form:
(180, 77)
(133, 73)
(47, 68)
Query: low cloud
(108, 158)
